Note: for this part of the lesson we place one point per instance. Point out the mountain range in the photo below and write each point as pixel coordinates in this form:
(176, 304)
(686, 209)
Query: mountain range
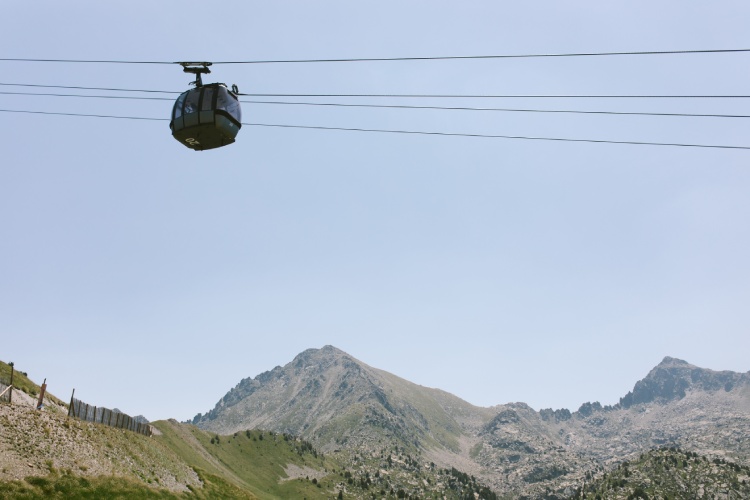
(342, 405)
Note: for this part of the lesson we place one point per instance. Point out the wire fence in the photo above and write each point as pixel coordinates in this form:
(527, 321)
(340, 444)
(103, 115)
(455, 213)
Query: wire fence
(84, 411)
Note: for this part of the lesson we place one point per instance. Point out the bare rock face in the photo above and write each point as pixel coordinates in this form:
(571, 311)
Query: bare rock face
(672, 378)
(337, 402)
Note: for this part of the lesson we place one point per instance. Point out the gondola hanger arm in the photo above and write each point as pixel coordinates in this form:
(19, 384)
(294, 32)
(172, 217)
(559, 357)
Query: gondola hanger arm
(197, 69)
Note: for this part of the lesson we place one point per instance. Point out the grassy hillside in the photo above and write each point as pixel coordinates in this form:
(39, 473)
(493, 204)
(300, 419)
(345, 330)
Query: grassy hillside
(260, 462)
(45, 454)
(69, 486)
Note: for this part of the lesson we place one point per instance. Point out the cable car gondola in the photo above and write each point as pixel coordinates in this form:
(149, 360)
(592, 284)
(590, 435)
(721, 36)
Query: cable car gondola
(208, 116)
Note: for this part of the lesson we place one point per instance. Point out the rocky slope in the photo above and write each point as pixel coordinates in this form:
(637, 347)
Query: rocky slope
(676, 404)
(36, 443)
(338, 402)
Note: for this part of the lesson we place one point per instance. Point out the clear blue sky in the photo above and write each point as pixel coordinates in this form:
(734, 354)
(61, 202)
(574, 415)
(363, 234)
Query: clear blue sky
(152, 278)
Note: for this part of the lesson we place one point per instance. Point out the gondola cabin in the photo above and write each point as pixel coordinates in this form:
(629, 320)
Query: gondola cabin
(206, 117)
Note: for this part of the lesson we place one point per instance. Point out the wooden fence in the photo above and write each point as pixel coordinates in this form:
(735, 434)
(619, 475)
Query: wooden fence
(83, 411)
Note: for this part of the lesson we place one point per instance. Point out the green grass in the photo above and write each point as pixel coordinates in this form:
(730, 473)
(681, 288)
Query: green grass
(250, 462)
(69, 486)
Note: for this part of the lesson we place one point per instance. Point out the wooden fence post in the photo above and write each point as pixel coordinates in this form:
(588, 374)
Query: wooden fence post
(42, 390)
(10, 393)
(70, 407)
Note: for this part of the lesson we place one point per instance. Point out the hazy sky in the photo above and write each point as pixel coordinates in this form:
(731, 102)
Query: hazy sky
(153, 278)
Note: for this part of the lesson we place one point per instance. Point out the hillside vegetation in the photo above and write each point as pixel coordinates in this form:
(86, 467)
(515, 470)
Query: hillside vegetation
(45, 454)
(671, 473)
(267, 464)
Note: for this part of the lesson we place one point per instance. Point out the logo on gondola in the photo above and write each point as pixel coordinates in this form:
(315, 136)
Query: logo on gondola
(191, 141)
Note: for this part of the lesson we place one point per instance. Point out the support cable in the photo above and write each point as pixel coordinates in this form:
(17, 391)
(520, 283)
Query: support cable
(385, 106)
(391, 59)
(419, 96)
(412, 132)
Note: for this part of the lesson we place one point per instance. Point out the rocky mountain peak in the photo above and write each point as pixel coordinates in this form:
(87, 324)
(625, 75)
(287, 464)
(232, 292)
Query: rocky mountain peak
(331, 398)
(673, 378)
(328, 353)
(668, 361)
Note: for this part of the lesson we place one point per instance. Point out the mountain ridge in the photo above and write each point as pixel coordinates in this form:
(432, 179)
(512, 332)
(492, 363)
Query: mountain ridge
(338, 402)
(668, 380)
